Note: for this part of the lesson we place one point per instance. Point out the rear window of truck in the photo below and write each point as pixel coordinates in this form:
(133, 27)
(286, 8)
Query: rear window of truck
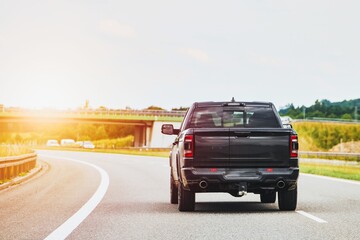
(222, 117)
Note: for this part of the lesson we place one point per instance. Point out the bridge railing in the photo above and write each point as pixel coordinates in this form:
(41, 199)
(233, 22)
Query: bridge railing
(11, 167)
(101, 112)
(160, 113)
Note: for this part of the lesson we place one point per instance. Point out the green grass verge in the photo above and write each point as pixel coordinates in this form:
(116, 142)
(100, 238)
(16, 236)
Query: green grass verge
(329, 157)
(345, 172)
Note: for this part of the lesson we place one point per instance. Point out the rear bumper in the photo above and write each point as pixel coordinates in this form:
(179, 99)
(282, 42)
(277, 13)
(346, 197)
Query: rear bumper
(255, 180)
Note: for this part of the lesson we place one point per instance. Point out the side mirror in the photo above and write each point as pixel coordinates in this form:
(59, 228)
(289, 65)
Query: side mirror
(167, 129)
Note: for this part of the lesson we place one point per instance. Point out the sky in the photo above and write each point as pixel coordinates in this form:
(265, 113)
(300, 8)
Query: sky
(117, 54)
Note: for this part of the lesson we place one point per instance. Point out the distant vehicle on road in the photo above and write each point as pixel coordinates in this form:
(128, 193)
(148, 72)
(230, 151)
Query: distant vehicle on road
(85, 144)
(88, 145)
(67, 142)
(52, 143)
(286, 120)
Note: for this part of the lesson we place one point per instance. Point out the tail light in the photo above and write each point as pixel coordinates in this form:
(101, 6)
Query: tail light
(294, 146)
(189, 146)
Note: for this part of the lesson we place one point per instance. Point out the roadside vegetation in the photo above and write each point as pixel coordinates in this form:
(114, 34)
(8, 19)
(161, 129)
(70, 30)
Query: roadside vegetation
(345, 172)
(14, 150)
(115, 143)
(38, 134)
(323, 136)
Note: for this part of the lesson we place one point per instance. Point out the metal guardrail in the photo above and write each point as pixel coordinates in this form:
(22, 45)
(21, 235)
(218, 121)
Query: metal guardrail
(11, 167)
(333, 155)
(327, 120)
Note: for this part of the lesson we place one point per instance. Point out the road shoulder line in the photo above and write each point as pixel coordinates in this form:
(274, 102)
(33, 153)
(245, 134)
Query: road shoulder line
(75, 220)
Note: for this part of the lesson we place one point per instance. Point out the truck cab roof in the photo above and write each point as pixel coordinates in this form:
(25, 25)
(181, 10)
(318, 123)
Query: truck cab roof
(233, 103)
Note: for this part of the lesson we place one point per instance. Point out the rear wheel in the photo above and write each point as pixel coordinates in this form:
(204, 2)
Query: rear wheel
(173, 190)
(287, 200)
(268, 197)
(186, 199)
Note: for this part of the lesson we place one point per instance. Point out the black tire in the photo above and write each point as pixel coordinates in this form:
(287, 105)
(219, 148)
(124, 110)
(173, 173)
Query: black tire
(186, 199)
(269, 197)
(173, 190)
(287, 200)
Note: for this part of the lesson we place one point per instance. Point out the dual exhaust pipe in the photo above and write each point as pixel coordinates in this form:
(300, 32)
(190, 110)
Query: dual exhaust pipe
(279, 184)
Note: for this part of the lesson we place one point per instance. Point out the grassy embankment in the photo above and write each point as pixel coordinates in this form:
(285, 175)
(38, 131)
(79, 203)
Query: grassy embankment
(13, 150)
(318, 136)
(329, 137)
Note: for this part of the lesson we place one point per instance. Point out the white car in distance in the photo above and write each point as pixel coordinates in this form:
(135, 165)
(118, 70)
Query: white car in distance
(67, 142)
(88, 145)
(52, 143)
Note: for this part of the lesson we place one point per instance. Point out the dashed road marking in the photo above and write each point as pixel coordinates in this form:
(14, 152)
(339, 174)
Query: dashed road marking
(75, 220)
(308, 215)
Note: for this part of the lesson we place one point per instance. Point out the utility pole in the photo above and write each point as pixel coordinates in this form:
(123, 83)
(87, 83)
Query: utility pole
(355, 114)
(304, 109)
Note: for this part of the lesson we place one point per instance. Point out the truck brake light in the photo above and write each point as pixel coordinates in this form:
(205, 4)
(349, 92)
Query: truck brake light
(189, 146)
(294, 146)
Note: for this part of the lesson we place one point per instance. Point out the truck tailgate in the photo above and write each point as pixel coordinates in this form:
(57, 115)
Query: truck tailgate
(259, 147)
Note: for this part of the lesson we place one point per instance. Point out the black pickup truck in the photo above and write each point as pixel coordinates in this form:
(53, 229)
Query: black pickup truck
(233, 147)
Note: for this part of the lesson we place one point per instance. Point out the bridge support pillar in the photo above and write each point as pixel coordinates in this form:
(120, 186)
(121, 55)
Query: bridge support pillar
(139, 136)
(143, 135)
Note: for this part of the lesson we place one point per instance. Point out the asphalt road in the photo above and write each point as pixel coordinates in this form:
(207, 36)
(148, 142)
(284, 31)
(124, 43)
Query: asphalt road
(134, 204)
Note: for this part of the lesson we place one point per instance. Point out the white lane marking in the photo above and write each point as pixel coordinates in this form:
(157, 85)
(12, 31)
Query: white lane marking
(75, 220)
(308, 215)
(332, 179)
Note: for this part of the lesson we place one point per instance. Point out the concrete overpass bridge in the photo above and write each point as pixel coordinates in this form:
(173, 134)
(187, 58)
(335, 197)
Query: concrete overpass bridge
(147, 123)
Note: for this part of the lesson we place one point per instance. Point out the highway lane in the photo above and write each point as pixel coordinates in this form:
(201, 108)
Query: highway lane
(136, 205)
(33, 209)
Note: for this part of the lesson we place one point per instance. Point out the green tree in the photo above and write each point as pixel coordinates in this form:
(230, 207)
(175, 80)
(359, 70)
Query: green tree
(154, 108)
(346, 116)
(100, 133)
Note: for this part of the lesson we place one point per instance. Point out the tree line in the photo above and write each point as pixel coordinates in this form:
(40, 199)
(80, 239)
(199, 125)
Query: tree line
(38, 134)
(347, 110)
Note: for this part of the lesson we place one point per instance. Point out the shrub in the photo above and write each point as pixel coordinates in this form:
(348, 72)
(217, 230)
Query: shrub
(115, 143)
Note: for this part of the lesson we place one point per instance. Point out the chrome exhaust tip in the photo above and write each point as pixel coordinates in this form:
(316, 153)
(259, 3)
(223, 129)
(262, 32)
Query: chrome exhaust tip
(242, 193)
(280, 184)
(203, 184)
